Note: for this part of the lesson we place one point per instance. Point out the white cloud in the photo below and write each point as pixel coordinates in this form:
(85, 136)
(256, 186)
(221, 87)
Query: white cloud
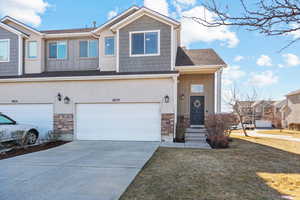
(112, 13)
(265, 78)
(290, 60)
(295, 34)
(238, 58)
(195, 32)
(231, 74)
(186, 2)
(27, 11)
(264, 60)
(160, 6)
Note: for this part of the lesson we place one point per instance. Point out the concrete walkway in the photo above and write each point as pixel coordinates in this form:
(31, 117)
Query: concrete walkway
(85, 170)
(282, 137)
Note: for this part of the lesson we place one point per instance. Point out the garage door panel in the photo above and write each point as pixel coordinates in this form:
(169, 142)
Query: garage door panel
(40, 115)
(137, 122)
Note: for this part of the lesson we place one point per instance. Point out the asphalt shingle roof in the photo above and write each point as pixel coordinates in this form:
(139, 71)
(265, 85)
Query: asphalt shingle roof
(190, 57)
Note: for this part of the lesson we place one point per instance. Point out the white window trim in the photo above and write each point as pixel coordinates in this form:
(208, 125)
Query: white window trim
(88, 49)
(104, 46)
(29, 51)
(197, 84)
(57, 41)
(141, 55)
(8, 53)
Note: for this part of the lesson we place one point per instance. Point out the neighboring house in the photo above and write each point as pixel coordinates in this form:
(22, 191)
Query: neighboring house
(246, 110)
(291, 111)
(128, 79)
(278, 114)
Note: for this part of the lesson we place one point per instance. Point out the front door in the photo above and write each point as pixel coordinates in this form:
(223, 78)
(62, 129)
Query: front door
(197, 110)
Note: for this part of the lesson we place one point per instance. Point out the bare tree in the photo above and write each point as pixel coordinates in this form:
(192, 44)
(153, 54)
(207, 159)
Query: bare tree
(268, 17)
(241, 106)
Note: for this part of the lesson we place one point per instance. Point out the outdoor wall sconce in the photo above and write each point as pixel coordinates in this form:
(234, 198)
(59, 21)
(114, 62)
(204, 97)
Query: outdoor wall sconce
(58, 97)
(182, 97)
(167, 99)
(66, 100)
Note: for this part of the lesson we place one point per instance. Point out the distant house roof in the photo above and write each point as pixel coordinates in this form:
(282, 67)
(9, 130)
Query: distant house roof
(74, 30)
(293, 93)
(190, 57)
(280, 104)
(263, 102)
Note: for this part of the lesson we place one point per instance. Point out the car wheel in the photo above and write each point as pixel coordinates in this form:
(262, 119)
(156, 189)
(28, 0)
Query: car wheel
(31, 137)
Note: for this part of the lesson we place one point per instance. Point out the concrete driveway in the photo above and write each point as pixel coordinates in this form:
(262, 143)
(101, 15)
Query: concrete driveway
(81, 170)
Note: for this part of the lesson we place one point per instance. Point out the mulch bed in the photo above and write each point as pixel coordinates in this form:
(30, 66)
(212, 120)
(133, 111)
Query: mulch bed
(31, 149)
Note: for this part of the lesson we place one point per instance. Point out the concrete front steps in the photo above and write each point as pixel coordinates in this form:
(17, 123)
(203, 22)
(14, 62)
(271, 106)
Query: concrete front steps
(196, 137)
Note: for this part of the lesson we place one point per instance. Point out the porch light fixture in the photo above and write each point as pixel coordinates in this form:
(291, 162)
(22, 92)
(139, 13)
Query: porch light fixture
(182, 97)
(58, 97)
(167, 99)
(66, 100)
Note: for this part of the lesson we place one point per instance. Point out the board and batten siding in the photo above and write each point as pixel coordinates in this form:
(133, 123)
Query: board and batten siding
(10, 68)
(145, 63)
(73, 62)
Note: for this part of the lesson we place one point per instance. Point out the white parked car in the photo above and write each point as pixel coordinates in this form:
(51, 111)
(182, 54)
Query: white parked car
(10, 130)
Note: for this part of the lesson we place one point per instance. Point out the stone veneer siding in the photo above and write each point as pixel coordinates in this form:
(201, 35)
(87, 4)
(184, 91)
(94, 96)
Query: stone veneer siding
(183, 122)
(64, 125)
(167, 127)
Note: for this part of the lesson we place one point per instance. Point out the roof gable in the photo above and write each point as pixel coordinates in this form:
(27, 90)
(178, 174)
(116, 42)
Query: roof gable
(8, 18)
(148, 12)
(12, 30)
(117, 18)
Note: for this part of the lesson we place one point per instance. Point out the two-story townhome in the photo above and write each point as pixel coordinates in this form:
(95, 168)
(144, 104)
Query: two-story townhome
(128, 79)
(291, 111)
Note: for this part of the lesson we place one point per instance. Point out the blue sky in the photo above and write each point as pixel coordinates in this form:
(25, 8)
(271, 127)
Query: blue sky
(253, 59)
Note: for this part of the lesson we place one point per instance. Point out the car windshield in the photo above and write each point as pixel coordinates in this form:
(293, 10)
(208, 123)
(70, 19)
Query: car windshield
(5, 120)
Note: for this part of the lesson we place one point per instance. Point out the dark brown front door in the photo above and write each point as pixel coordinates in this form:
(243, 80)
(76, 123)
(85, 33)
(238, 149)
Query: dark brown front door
(197, 110)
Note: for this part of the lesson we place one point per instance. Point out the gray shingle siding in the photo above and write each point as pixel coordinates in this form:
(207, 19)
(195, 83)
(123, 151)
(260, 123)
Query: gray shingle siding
(73, 61)
(145, 63)
(10, 68)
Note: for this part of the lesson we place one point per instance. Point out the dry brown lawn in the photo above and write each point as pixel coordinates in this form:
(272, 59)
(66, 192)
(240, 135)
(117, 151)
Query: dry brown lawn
(253, 168)
(295, 134)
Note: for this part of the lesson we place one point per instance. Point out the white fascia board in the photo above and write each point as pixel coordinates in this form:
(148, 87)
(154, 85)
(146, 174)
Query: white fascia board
(21, 24)
(140, 13)
(198, 67)
(63, 35)
(115, 18)
(88, 78)
(10, 29)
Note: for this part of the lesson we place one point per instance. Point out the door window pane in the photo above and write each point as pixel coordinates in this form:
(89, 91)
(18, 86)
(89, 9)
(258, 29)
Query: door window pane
(32, 49)
(4, 120)
(93, 48)
(83, 49)
(137, 45)
(151, 42)
(109, 46)
(4, 50)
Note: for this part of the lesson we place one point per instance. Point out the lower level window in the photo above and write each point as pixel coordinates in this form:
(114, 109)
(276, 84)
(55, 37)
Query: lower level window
(32, 49)
(88, 49)
(4, 50)
(58, 50)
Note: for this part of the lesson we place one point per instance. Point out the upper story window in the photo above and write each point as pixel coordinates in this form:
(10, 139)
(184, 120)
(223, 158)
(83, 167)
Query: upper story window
(4, 50)
(145, 43)
(109, 46)
(58, 50)
(32, 49)
(88, 49)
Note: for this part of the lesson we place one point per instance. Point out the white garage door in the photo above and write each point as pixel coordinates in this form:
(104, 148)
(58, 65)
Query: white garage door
(131, 122)
(40, 115)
